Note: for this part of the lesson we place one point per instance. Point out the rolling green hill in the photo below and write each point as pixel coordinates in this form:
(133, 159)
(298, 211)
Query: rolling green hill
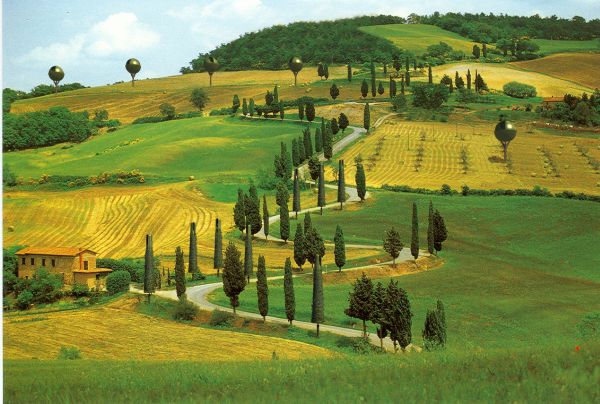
(416, 38)
(548, 46)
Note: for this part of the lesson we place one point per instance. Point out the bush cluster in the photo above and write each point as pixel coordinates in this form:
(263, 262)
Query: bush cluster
(221, 318)
(118, 281)
(157, 119)
(185, 310)
(519, 90)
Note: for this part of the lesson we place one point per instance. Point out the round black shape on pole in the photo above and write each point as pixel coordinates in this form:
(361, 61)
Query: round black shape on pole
(56, 74)
(133, 66)
(505, 132)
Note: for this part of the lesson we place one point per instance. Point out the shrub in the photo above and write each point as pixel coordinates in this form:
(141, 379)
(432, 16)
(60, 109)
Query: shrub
(589, 327)
(358, 345)
(221, 318)
(519, 90)
(430, 96)
(79, 290)
(399, 103)
(185, 310)
(24, 300)
(69, 353)
(118, 282)
(465, 190)
(446, 190)
(45, 287)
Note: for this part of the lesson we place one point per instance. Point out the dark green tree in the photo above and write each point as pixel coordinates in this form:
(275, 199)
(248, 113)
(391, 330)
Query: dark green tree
(340, 248)
(301, 152)
(218, 254)
(414, 241)
(334, 91)
(407, 78)
(402, 85)
(269, 98)
(295, 153)
(361, 181)
(326, 71)
(380, 89)
(367, 117)
(282, 196)
(314, 167)
(308, 149)
(167, 110)
(301, 111)
(281, 110)
(430, 229)
(251, 109)
(373, 84)
(244, 107)
(284, 222)
(313, 244)
(321, 196)
(364, 88)
(149, 283)
(299, 247)
(199, 98)
(335, 128)
(288, 290)
(234, 280)
(442, 317)
(265, 217)
(349, 68)
(484, 49)
(377, 315)
(341, 194)
(248, 265)
(179, 273)
(307, 222)
(309, 110)
(468, 79)
(480, 84)
(193, 257)
(343, 122)
(430, 74)
(392, 244)
(476, 51)
(235, 104)
(239, 211)
(262, 290)
(439, 231)
(275, 95)
(360, 301)
(398, 316)
(459, 83)
(318, 304)
(296, 199)
(320, 70)
(252, 210)
(432, 331)
(318, 140)
(328, 142)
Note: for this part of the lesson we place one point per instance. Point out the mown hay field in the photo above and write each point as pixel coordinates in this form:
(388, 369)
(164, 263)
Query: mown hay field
(497, 75)
(116, 332)
(391, 156)
(582, 68)
(417, 37)
(126, 103)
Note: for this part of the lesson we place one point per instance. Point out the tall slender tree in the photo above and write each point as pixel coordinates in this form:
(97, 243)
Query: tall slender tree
(275, 95)
(318, 140)
(402, 85)
(318, 306)
(373, 87)
(248, 265)
(334, 91)
(251, 109)
(307, 222)
(361, 181)
(398, 315)
(149, 283)
(252, 210)
(308, 149)
(288, 291)
(262, 290)
(179, 273)
(340, 248)
(367, 117)
(265, 217)
(284, 222)
(299, 247)
(341, 194)
(193, 251)
(296, 202)
(218, 254)
(380, 89)
(239, 211)
(321, 196)
(335, 127)
(392, 244)
(234, 280)
(309, 111)
(328, 142)
(349, 68)
(301, 152)
(430, 229)
(377, 316)
(430, 74)
(439, 231)
(343, 122)
(244, 107)
(364, 88)
(468, 79)
(235, 104)
(295, 153)
(407, 78)
(414, 242)
(301, 111)
(360, 301)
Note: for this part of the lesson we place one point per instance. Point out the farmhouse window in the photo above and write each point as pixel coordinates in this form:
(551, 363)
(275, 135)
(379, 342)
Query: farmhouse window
(32, 261)
(43, 262)
(53, 262)
(23, 261)
(85, 265)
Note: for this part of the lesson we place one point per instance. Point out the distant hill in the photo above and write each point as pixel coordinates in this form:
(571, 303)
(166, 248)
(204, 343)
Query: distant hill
(338, 41)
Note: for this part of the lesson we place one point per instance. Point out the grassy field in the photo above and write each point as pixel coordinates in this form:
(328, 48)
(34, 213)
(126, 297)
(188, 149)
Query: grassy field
(551, 375)
(391, 157)
(582, 68)
(116, 332)
(558, 46)
(416, 38)
(518, 271)
(127, 103)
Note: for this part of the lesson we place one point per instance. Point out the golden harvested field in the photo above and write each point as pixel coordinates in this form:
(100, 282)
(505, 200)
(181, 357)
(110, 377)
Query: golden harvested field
(583, 68)
(127, 103)
(537, 158)
(116, 332)
(496, 75)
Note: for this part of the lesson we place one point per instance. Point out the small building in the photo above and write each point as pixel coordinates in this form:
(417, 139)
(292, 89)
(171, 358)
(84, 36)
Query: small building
(75, 265)
(551, 102)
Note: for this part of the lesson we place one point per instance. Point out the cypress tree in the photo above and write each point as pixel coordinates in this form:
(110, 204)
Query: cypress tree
(251, 109)
(468, 79)
(244, 107)
(391, 87)
(149, 284)
(430, 229)
(335, 128)
(402, 85)
(384, 68)
(414, 242)
(318, 309)
(252, 209)
(296, 202)
(398, 316)
(334, 91)
(262, 290)
(275, 95)
(218, 254)
(373, 88)
(392, 244)
(284, 222)
(248, 266)
(343, 122)
(313, 243)
(361, 181)
(168, 277)
(430, 74)
(415, 64)
(239, 211)
(360, 301)
(301, 111)
(407, 78)
(442, 317)
(367, 117)
(308, 149)
(318, 140)
(288, 290)
(484, 50)
(179, 273)
(407, 63)
(286, 162)
(299, 247)
(349, 67)
(340, 248)
(309, 111)
(307, 223)
(439, 231)
(341, 195)
(378, 311)
(323, 127)
(432, 331)
(281, 110)
(476, 75)
(234, 280)
(282, 195)
(364, 88)
(320, 70)
(235, 104)
(321, 196)
(295, 153)
(193, 251)
(326, 71)
(328, 143)
(301, 152)
(265, 217)
(380, 89)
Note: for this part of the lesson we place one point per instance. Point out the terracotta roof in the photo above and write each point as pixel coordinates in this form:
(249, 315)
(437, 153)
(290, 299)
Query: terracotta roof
(554, 99)
(58, 251)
